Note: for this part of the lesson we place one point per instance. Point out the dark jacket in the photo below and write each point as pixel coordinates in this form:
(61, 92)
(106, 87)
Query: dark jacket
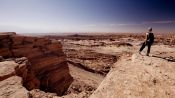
(150, 38)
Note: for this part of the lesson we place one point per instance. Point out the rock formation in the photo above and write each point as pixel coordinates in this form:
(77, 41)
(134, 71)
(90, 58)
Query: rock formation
(12, 88)
(47, 68)
(139, 77)
(11, 85)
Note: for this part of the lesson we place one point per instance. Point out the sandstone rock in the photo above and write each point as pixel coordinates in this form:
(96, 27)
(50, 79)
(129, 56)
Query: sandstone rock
(12, 88)
(7, 69)
(19, 67)
(48, 69)
(139, 77)
(36, 93)
(90, 60)
(23, 69)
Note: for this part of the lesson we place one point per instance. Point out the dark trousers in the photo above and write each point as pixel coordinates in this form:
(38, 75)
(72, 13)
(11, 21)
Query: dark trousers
(146, 44)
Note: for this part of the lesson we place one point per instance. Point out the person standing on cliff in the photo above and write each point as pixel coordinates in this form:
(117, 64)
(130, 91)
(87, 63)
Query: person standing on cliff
(149, 40)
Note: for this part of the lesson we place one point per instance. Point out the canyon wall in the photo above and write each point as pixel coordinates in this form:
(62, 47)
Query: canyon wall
(47, 69)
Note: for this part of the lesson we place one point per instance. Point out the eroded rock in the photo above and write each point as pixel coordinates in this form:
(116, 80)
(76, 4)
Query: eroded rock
(7, 69)
(139, 77)
(13, 74)
(48, 69)
(12, 88)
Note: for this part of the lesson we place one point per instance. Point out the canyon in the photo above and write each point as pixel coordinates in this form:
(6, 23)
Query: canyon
(86, 65)
(45, 65)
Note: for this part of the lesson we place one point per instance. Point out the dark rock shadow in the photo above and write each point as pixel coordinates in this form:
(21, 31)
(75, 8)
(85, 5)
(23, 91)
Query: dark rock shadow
(170, 58)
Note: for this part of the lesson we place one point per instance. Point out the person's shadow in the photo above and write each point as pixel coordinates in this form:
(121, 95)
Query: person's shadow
(170, 59)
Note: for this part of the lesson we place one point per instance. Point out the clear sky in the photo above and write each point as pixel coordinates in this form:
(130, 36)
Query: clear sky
(42, 16)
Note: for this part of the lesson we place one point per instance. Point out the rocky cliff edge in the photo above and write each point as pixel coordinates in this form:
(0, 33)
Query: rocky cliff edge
(139, 77)
(45, 64)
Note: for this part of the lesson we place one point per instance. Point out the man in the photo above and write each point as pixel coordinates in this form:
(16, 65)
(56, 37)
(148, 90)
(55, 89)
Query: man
(149, 41)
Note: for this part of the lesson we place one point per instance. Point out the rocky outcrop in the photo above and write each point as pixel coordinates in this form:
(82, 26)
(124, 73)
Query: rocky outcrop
(7, 69)
(11, 85)
(139, 77)
(14, 67)
(12, 88)
(48, 69)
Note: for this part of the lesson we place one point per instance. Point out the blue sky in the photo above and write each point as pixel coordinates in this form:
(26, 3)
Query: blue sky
(43, 16)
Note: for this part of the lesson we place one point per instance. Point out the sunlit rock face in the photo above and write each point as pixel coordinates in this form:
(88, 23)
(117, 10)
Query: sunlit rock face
(139, 77)
(47, 67)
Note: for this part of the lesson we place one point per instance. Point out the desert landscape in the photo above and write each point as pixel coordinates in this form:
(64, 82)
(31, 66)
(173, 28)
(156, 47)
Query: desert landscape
(87, 49)
(86, 66)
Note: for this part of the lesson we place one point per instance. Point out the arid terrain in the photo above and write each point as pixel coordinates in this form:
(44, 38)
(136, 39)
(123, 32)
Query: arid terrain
(91, 57)
(87, 65)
